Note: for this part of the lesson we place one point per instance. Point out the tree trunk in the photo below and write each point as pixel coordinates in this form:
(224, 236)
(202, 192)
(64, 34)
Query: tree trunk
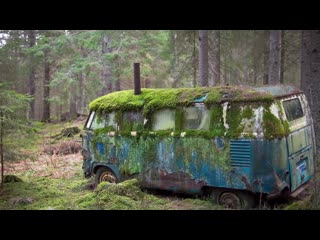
(85, 96)
(255, 58)
(266, 57)
(60, 110)
(216, 58)
(176, 81)
(194, 82)
(106, 71)
(81, 94)
(46, 88)
(282, 53)
(203, 58)
(310, 75)
(275, 57)
(81, 76)
(147, 83)
(73, 102)
(246, 75)
(32, 79)
(117, 82)
(1, 149)
(175, 60)
(226, 72)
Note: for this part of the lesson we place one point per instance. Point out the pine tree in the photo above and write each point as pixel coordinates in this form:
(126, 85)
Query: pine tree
(13, 121)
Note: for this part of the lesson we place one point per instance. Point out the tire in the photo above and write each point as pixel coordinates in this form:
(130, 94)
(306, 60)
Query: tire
(105, 175)
(229, 200)
(236, 200)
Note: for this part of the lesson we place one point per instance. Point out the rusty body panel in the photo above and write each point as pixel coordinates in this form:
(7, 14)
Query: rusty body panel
(177, 164)
(174, 181)
(256, 161)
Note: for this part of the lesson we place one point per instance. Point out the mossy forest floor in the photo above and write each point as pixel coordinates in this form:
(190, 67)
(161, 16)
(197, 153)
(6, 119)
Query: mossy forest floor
(57, 183)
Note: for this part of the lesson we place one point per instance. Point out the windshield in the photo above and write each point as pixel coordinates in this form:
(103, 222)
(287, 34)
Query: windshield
(292, 109)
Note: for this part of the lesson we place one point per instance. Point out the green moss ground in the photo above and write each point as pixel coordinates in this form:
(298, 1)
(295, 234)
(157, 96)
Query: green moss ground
(75, 192)
(43, 193)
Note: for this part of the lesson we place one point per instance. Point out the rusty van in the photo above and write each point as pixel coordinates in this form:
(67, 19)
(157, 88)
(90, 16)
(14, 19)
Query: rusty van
(233, 143)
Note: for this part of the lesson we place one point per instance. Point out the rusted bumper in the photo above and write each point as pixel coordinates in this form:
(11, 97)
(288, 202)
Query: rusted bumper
(282, 188)
(301, 188)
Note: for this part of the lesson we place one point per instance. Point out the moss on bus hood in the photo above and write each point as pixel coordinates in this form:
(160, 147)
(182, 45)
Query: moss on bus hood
(154, 99)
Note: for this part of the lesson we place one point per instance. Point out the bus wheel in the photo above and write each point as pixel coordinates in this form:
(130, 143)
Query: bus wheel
(229, 200)
(105, 175)
(236, 200)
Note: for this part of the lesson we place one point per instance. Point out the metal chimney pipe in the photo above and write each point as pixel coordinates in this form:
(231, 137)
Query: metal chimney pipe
(137, 86)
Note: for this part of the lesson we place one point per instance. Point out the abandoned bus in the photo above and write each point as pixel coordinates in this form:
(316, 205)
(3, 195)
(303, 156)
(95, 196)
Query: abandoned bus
(232, 142)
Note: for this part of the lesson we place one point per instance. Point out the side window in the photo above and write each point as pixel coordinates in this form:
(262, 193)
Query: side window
(196, 117)
(164, 120)
(102, 121)
(132, 121)
(292, 109)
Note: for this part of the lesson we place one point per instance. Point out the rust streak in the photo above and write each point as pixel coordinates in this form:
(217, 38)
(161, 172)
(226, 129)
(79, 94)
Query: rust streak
(172, 181)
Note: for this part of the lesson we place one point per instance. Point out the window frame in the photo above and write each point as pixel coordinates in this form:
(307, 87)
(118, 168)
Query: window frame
(92, 118)
(174, 111)
(122, 120)
(89, 120)
(196, 106)
(285, 112)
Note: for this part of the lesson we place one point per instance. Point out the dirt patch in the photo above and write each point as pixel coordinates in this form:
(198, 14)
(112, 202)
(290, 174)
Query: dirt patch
(62, 148)
(55, 166)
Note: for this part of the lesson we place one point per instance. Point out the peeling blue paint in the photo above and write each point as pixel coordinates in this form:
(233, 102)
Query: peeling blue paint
(219, 143)
(100, 148)
(201, 99)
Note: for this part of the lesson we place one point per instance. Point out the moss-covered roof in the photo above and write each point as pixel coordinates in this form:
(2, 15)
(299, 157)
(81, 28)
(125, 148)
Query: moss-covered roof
(278, 90)
(154, 99)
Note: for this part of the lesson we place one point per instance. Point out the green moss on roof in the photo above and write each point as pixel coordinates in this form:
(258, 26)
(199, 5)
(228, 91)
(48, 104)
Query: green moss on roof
(154, 99)
(118, 101)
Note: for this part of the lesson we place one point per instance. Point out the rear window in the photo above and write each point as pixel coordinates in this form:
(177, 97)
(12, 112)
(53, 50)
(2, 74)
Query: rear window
(292, 109)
